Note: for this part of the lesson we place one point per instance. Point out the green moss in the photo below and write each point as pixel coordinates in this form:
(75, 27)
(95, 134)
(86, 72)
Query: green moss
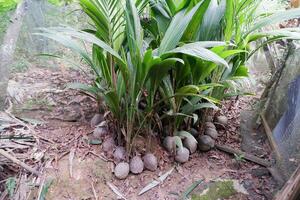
(217, 190)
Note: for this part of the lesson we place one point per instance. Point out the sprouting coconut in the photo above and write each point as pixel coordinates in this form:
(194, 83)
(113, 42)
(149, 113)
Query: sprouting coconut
(222, 120)
(122, 170)
(190, 143)
(97, 119)
(205, 143)
(119, 154)
(136, 165)
(169, 144)
(108, 145)
(150, 161)
(210, 125)
(212, 133)
(182, 155)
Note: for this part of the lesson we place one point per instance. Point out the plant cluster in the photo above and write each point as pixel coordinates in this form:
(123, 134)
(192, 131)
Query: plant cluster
(158, 63)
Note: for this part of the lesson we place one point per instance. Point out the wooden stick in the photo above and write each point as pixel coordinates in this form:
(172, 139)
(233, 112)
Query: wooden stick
(270, 137)
(18, 162)
(247, 156)
(291, 190)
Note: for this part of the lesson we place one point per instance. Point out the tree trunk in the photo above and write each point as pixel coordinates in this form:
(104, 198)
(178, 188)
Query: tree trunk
(8, 48)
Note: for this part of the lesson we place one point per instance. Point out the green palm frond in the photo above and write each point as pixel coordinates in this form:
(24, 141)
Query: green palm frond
(108, 17)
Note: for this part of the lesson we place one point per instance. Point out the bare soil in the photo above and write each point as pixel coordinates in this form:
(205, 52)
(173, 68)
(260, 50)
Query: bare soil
(79, 170)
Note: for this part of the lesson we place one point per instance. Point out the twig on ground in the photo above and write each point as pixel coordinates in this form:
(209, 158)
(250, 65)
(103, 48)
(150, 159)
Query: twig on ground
(247, 156)
(71, 158)
(18, 162)
(94, 191)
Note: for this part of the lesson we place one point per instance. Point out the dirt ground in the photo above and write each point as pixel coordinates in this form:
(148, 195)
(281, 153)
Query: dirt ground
(75, 169)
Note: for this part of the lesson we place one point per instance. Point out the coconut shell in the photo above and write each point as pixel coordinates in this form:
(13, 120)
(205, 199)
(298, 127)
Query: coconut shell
(194, 132)
(119, 154)
(209, 118)
(169, 144)
(121, 170)
(222, 120)
(190, 144)
(100, 132)
(108, 145)
(210, 125)
(150, 162)
(96, 120)
(205, 143)
(182, 155)
(136, 165)
(213, 133)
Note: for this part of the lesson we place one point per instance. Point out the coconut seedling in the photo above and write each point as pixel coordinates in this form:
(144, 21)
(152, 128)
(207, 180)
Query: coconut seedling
(182, 153)
(136, 165)
(189, 141)
(121, 170)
